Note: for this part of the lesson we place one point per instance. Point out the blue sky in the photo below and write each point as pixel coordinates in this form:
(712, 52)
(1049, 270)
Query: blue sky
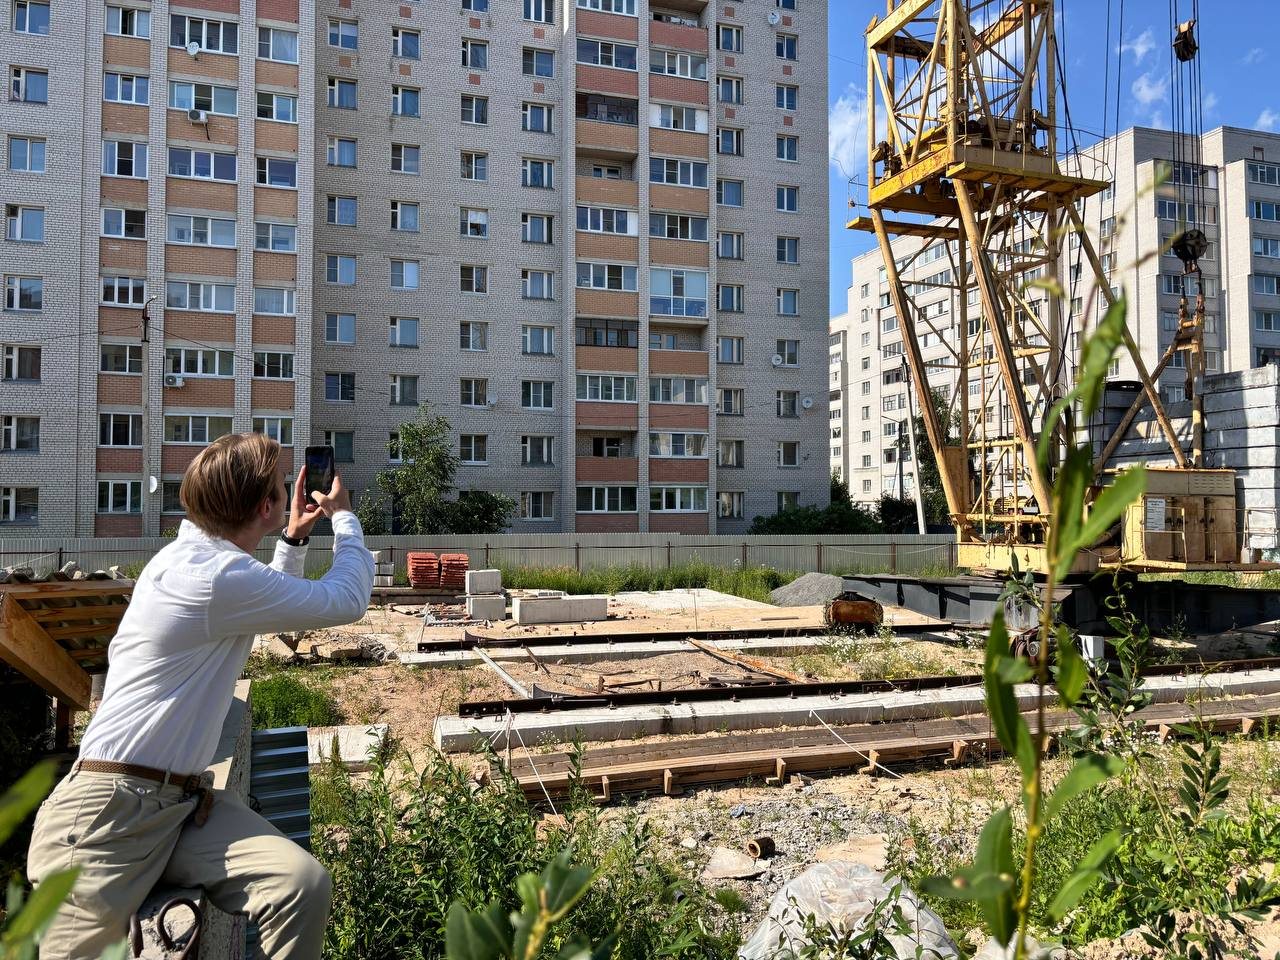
(1239, 63)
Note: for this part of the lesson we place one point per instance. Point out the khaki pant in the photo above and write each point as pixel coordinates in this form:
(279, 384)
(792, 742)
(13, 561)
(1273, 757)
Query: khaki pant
(126, 834)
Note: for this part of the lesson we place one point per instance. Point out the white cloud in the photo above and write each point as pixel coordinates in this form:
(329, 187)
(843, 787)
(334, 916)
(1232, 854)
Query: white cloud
(1256, 55)
(1140, 45)
(1210, 103)
(1148, 90)
(847, 133)
(1268, 120)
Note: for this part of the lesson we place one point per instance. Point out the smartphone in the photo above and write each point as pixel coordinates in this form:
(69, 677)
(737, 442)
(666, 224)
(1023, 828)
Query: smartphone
(319, 469)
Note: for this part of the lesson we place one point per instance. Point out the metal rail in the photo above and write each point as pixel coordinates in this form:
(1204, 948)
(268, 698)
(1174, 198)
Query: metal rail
(471, 640)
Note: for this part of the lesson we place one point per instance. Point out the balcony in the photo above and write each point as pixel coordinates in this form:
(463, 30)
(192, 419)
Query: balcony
(686, 363)
(608, 26)
(609, 247)
(678, 416)
(599, 415)
(613, 359)
(598, 190)
(677, 36)
(678, 470)
(610, 304)
(607, 139)
(607, 469)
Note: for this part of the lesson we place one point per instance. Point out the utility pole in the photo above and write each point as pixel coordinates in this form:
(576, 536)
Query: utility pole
(146, 412)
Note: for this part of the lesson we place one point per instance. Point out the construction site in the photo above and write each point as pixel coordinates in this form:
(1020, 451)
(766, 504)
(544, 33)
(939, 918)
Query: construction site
(849, 720)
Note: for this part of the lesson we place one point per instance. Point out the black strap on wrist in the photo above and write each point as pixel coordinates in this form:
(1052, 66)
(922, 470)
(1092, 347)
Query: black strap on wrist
(294, 541)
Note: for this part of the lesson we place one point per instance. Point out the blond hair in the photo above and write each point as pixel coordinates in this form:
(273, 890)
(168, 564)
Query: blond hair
(227, 481)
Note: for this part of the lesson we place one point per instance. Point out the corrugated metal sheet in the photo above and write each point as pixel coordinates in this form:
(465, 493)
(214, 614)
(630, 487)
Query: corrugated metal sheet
(280, 781)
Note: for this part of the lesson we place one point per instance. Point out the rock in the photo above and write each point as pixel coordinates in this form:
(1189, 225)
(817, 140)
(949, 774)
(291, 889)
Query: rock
(273, 646)
(738, 811)
(115, 573)
(338, 650)
(689, 843)
(844, 895)
(726, 864)
(870, 850)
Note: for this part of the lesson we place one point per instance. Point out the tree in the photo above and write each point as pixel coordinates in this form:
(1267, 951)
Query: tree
(928, 476)
(842, 515)
(420, 488)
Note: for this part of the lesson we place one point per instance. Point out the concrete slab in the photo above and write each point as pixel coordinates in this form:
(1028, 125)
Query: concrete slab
(455, 734)
(579, 609)
(493, 607)
(687, 601)
(484, 581)
(357, 745)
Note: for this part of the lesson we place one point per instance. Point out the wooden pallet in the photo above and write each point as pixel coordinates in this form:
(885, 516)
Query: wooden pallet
(669, 767)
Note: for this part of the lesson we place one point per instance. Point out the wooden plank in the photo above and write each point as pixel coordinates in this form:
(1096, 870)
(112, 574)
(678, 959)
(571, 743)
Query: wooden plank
(107, 630)
(741, 660)
(64, 590)
(28, 649)
(100, 611)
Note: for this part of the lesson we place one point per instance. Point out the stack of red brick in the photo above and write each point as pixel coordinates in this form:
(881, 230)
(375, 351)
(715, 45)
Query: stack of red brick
(453, 571)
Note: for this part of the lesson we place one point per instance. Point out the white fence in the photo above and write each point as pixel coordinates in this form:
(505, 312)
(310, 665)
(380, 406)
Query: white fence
(905, 553)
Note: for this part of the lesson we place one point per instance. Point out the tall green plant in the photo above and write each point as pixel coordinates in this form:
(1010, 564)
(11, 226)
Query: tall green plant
(1000, 884)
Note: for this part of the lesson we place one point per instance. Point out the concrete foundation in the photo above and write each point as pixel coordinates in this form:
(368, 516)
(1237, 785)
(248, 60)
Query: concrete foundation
(530, 610)
(484, 581)
(357, 746)
(460, 735)
(491, 607)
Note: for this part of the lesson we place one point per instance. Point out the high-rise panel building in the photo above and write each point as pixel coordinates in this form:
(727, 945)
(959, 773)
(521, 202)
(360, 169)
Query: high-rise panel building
(591, 234)
(1227, 183)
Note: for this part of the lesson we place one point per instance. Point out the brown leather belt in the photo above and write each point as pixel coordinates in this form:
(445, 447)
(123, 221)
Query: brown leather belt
(188, 782)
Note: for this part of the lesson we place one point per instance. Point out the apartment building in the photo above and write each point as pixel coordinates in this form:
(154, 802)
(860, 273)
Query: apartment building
(591, 234)
(1234, 179)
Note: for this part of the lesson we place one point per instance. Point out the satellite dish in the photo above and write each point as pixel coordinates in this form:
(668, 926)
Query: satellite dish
(152, 485)
(774, 17)
(807, 402)
(192, 47)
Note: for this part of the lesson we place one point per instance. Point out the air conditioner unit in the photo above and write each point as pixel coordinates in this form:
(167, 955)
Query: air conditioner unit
(174, 380)
(807, 402)
(777, 360)
(198, 116)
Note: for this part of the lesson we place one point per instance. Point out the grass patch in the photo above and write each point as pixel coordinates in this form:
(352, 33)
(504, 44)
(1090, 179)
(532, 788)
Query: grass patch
(1266, 580)
(282, 700)
(752, 583)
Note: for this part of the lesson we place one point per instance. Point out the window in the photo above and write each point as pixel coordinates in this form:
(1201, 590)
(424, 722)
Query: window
(536, 173)
(729, 401)
(405, 158)
(20, 364)
(1267, 173)
(537, 285)
(539, 11)
(124, 291)
(276, 44)
(788, 404)
(730, 90)
(674, 226)
(729, 38)
(605, 220)
(606, 276)
(279, 429)
(475, 166)
(193, 362)
(674, 64)
(27, 85)
(600, 171)
(789, 351)
(473, 392)
(404, 390)
(20, 434)
(343, 443)
(678, 293)
(606, 333)
(784, 46)
(276, 172)
(729, 504)
(728, 245)
(201, 231)
(275, 237)
(340, 387)
(730, 453)
(200, 164)
(273, 301)
(124, 158)
(119, 496)
(606, 500)
(537, 505)
(729, 297)
(788, 147)
(607, 53)
(23, 293)
(788, 199)
(537, 340)
(405, 101)
(26, 154)
(272, 365)
(202, 297)
(340, 269)
(404, 274)
(473, 336)
(407, 44)
(729, 193)
(120, 358)
(537, 63)
(393, 447)
(624, 7)
(119, 429)
(344, 34)
(537, 394)
(535, 117)
(606, 388)
(678, 118)
(473, 448)
(341, 152)
(536, 227)
(195, 429)
(678, 499)
(342, 94)
(609, 448)
(788, 249)
(126, 88)
(403, 332)
(340, 328)
(788, 453)
(729, 141)
(24, 224)
(473, 222)
(473, 278)
(126, 22)
(687, 445)
(785, 96)
(277, 106)
(677, 390)
(788, 302)
(662, 341)
(404, 216)
(475, 109)
(728, 349)
(1266, 321)
(341, 211)
(214, 36)
(677, 173)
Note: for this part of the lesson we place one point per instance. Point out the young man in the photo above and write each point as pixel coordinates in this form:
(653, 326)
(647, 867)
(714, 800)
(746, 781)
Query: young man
(132, 811)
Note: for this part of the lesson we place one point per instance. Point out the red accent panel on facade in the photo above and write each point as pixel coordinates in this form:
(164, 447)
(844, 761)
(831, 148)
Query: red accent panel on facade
(125, 191)
(117, 321)
(200, 261)
(276, 268)
(788, 121)
(473, 79)
(198, 195)
(729, 62)
(128, 255)
(117, 525)
(539, 33)
(202, 392)
(607, 522)
(215, 66)
(275, 203)
(678, 253)
(275, 74)
(539, 88)
(268, 135)
(730, 113)
(786, 71)
(617, 416)
(406, 70)
(274, 330)
(119, 388)
(677, 416)
(622, 83)
(786, 21)
(679, 362)
(600, 190)
(406, 12)
(679, 37)
(215, 328)
(271, 394)
(602, 359)
(286, 459)
(286, 10)
(678, 523)
(678, 143)
(175, 458)
(677, 90)
(679, 471)
(473, 23)
(126, 52)
(609, 304)
(125, 119)
(119, 460)
(608, 469)
(608, 247)
(610, 26)
(682, 199)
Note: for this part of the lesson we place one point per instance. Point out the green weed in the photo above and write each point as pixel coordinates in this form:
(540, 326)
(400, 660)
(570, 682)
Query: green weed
(752, 583)
(282, 700)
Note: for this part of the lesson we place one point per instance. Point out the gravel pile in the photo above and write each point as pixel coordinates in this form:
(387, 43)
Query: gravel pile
(810, 590)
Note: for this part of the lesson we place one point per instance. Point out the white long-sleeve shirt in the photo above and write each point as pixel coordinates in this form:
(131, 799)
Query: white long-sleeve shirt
(183, 642)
